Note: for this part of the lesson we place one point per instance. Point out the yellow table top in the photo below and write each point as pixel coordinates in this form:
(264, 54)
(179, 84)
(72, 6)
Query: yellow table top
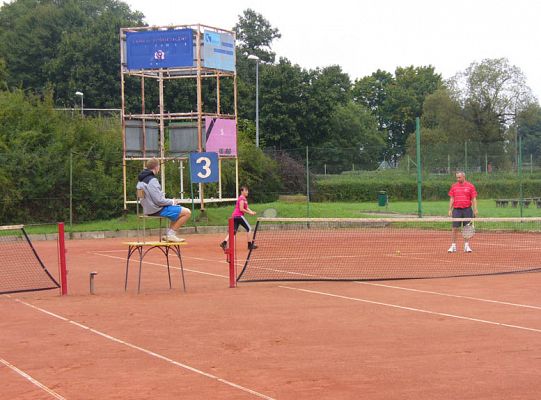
(163, 244)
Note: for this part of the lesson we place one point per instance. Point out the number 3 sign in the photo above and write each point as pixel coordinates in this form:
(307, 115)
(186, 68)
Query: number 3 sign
(204, 167)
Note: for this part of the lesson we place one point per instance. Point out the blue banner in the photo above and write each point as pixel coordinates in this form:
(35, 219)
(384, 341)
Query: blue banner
(204, 167)
(160, 49)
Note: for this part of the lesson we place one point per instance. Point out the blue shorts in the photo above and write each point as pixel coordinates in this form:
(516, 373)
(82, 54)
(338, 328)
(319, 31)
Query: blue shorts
(171, 212)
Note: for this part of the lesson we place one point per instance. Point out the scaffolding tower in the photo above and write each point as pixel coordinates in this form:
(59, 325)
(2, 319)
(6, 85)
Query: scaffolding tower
(166, 53)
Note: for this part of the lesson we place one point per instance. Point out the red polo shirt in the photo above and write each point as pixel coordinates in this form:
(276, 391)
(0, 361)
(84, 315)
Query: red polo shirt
(462, 194)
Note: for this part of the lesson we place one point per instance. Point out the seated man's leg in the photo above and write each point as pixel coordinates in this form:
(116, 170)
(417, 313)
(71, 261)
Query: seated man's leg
(178, 216)
(183, 217)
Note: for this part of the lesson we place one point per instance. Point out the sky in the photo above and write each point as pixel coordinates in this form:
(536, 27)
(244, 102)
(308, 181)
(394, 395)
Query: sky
(363, 36)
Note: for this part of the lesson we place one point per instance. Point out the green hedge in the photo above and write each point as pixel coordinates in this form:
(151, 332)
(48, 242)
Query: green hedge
(399, 187)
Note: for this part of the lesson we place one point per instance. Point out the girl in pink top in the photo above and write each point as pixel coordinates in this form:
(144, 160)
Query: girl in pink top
(238, 218)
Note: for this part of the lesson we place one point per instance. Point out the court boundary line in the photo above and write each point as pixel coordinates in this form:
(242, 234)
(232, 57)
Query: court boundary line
(148, 352)
(418, 310)
(450, 295)
(32, 380)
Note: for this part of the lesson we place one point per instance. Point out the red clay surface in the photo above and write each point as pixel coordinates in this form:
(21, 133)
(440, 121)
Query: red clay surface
(460, 338)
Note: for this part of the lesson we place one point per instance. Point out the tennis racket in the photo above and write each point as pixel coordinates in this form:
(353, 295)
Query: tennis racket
(269, 213)
(468, 230)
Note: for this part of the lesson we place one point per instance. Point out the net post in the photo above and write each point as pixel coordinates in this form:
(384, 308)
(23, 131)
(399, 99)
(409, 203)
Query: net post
(231, 250)
(62, 258)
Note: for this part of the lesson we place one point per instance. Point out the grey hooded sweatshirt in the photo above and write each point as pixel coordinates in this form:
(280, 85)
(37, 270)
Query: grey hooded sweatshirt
(154, 199)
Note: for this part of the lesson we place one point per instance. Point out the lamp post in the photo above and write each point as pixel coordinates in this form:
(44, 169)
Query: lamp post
(82, 96)
(256, 58)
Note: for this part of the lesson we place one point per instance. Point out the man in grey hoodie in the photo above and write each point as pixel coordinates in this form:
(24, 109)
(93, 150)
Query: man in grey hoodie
(155, 203)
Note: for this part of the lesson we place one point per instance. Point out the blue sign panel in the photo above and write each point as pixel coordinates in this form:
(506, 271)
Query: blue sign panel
(219, 51)
(159, 49)
(204, 167)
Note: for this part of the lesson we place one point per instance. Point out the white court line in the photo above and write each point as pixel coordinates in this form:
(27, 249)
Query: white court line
(419, 310)
(449, 295)
(32, 380)
(149, 352)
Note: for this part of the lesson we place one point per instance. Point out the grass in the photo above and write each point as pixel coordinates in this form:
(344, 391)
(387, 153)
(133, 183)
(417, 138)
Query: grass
(217, 216)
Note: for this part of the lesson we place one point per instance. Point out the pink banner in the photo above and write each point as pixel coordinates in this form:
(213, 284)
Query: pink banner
(221, 136)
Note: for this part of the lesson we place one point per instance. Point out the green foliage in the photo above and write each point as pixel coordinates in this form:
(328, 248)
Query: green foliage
(35, 147)
(355, 140)
(529, 126)
(69, 44)
(402, 186)
(397, 101)
(258, 171)
(255, 35)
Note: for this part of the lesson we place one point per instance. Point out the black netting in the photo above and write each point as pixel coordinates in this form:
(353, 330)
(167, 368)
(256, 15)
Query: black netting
(21, 269)
(370, 249)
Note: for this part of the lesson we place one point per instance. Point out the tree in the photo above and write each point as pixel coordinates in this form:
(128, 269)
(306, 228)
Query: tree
(444, 114)
(405, 102)
(371, 91)
(529, 127)
(255, 35)
(491, 92)
(69, 44)
(355, 141)
(3, 75)
(283, 95)
(35, 146)
(397, 101)
(327, 89)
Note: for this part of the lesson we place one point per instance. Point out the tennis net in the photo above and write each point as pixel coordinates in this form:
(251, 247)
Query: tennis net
(21, 269)
(300, 249)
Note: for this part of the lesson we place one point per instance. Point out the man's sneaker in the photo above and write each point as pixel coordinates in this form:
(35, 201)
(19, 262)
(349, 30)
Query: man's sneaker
(172, 238)
(452, 249)
(223, 245)
(252, 246)
(467, 248)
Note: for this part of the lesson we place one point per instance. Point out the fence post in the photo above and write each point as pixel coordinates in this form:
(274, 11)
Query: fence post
(419, 177)
(521, 197)
(71, 190)
(307, 185)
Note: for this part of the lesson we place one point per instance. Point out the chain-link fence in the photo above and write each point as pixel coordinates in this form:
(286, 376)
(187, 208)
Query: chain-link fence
(47, 186)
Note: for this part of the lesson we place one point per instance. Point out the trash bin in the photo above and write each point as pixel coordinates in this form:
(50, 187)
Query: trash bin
(382, 198)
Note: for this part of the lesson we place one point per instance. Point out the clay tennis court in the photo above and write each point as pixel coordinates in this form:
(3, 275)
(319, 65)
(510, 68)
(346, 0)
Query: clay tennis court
(455, 338)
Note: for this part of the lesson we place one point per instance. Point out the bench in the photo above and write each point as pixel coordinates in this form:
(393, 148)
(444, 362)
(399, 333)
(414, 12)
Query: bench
(515, 202)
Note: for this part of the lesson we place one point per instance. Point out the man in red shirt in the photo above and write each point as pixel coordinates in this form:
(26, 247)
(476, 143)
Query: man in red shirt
(462, 197)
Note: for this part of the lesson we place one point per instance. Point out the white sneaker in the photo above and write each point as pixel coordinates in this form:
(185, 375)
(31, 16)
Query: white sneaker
(452, 249)
(172, 238)
(467, 248)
